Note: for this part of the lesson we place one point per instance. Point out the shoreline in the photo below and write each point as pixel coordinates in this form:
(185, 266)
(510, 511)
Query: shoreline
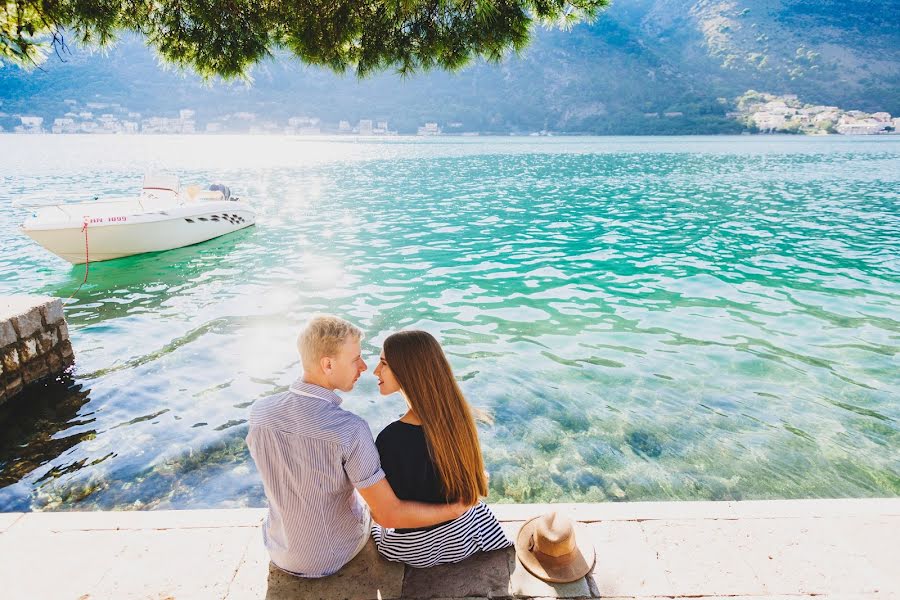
(407, 137)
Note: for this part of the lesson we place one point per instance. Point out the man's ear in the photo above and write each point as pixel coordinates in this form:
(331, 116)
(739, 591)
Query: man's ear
(326, 363)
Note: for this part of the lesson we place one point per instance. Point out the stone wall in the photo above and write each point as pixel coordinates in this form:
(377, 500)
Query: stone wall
(34, 342)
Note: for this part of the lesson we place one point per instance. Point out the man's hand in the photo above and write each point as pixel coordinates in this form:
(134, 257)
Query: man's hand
(460, 508)
(389, 511)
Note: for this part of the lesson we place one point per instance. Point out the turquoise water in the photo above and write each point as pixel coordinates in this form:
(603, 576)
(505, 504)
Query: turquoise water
(647, 318)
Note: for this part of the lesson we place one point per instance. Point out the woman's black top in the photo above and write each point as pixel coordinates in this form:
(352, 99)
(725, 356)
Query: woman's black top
(409, 470)
(405, 460)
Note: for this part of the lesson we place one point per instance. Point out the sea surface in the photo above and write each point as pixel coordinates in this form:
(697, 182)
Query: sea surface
(645, 318)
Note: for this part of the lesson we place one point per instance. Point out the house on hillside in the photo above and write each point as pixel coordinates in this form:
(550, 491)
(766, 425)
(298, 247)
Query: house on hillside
(64, 125)
(30, 125)
(859, 125)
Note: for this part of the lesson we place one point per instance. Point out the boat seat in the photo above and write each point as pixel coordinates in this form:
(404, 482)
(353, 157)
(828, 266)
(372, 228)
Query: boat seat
(193, 193)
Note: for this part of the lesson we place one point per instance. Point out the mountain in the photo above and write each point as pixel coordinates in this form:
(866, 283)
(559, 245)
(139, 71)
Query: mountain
(639, 59)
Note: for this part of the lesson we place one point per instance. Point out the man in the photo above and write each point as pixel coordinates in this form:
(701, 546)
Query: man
(311, 454)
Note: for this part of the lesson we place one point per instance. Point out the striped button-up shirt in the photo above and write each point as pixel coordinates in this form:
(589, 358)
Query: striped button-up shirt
(311, 454)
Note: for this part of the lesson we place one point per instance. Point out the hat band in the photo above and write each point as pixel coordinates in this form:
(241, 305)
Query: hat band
(545, 558)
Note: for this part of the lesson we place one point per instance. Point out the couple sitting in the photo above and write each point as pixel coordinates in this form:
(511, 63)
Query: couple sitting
(421, 481)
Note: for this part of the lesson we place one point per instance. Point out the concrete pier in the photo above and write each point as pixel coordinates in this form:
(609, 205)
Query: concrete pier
(34, 342)
(823, 549)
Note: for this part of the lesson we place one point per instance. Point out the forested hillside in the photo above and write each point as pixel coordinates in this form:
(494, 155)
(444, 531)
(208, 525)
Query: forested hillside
(639, 60)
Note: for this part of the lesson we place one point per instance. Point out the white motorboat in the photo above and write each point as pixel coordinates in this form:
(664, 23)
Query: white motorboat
(163, 217)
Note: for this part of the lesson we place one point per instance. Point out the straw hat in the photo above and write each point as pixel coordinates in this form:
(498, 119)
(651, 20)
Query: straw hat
(546, 547)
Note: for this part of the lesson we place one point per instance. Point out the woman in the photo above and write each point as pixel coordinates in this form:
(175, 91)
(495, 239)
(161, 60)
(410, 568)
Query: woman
(432, 454)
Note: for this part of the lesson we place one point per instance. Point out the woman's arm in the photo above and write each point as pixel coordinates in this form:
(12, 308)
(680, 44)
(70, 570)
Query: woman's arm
(390, 511)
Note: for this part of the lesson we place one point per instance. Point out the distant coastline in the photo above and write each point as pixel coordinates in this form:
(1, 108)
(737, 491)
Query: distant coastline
(467, 135)
(755, 113)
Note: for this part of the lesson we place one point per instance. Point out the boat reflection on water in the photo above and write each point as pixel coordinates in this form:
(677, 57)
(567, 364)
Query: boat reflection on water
(144, 282)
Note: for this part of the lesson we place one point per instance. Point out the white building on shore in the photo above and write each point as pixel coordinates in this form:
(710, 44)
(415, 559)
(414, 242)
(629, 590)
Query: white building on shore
(303, 126)
(860, 125)
(365, 127)
(429, 129)
(64, 125)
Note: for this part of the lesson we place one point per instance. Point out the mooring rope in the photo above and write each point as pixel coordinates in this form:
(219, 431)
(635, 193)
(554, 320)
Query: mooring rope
(87, 260)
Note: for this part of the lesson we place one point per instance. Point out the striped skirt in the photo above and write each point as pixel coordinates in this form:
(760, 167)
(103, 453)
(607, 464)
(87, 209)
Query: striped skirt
(477, 530)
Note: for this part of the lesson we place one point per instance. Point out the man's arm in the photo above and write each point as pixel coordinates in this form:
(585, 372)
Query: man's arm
(390, 511)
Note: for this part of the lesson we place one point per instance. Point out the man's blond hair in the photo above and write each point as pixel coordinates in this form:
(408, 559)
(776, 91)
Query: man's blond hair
(323, 336)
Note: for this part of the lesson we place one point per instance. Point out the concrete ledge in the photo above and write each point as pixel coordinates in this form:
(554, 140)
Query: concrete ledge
(750, 550)
(748, 509)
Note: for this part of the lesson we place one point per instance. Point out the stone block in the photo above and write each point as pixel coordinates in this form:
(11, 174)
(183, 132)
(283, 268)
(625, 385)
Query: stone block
(10, 388)
(88, 556)
(17, 304)
(28, 351)
(172, 563)
(53, 312)
(10, 360)
(65, 350)
(66, 361)
(366, 577)
(46, 340)
(704, 557)
(13, 386)
(801, 557)
(627, 564)
(484, 574)
(28, 323)
(35, 370)
(55, 362)
(62, 331)
(523, 584)
(7, 334)
(7, 520)
(881, 532)
(250, 581)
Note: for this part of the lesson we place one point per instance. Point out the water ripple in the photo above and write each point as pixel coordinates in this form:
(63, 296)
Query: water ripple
(645, 319)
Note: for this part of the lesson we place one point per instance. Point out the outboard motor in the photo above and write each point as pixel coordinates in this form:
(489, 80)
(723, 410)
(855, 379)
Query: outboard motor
(218, 187)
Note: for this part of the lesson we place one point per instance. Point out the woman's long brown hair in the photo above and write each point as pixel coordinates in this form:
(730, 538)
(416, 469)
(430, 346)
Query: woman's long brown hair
(427, 381)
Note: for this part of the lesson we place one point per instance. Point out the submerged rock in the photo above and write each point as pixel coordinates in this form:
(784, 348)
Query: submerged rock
(601, 455)
(545, 434)
(644, 443)
(585, 480)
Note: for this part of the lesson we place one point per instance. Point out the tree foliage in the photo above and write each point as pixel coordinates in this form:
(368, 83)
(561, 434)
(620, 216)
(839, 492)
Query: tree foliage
(226, 37)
